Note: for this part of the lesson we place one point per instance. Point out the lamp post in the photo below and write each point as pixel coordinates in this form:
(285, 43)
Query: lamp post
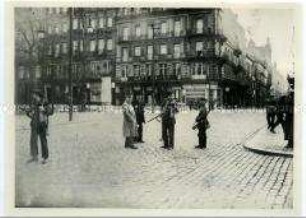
(209, 89)
(70, 66)
(154, 28)
(41, 37)
(254, 96)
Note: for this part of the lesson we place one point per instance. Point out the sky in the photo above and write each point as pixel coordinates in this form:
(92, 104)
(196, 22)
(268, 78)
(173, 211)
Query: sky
(276, 23)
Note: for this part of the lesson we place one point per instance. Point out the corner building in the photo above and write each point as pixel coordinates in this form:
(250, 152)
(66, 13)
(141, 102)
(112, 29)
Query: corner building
(185, 51)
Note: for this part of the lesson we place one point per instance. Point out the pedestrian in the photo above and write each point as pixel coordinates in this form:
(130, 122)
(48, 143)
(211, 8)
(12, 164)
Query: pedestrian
(202, 125)
(129, 123)
(285, 110)
(270, 115)
(280, 108)
(39, 113)
(288, 120)
(168, 123)
(190, 104)
(140, 119)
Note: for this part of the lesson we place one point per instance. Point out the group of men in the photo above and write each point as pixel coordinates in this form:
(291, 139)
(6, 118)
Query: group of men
(281, 112)
(133, 120)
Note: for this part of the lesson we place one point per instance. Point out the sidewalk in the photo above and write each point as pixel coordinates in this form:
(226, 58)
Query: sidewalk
(267, 143)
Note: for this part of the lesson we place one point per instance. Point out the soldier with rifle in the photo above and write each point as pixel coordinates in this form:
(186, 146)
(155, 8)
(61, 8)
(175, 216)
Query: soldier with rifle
(202, 124)
(169, 110)
(140, 118)
(167, 115)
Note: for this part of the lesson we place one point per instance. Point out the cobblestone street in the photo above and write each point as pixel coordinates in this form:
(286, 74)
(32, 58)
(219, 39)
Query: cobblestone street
(89, 166)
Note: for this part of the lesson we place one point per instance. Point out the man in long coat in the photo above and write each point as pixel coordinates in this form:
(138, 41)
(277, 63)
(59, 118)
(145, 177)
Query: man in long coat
(129, 123)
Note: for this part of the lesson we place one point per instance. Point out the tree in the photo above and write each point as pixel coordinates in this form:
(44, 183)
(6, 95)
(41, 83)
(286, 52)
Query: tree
(28, 23)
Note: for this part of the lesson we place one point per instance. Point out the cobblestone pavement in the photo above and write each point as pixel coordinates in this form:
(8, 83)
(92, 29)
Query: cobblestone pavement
(89, 166)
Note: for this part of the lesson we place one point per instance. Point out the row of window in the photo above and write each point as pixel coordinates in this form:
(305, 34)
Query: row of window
(163, 50)
(100, 44)
(152, 31)
(89, 25)
(130, 71)
(94, 45)
(62, 48)
(123, 11)
(57, 10)
(93, 23)
(147, 70)
(165, 69)
(137, 11)
(161, 29)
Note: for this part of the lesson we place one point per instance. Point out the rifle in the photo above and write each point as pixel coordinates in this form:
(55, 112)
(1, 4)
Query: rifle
(26, 109)
(159, 115)
(196, 124)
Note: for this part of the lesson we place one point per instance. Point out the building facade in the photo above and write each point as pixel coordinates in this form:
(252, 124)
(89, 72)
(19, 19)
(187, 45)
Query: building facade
(149, 52)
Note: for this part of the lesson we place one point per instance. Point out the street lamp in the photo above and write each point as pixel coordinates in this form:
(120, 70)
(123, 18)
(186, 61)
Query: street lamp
(154, 28)
(70, 66)
(41, 37)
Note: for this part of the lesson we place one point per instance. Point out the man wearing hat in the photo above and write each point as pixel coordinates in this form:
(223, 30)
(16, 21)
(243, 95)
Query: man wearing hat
(202, 125)
(168, 122)
(39, 113)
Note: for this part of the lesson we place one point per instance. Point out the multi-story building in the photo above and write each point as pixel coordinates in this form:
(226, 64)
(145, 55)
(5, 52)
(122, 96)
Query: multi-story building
(186, 51)
(193, 53)
(93, 53)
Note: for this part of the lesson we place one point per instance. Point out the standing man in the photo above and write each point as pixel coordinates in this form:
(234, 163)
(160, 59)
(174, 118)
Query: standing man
(202, 125)
(129, 123)
(288, 121)
(168, 123)
(280, 108)
(39, 113)
(140, 118)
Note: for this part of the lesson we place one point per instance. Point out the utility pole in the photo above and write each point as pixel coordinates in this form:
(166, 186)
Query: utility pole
(153, 68)
(70, 67)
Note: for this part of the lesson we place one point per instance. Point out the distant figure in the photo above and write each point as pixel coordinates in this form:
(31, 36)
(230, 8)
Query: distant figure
(168, 123)
(39, 113)
(190, 104)
(140, 118)
(288, 120)
(270, 115)
(129, 123)
(202, 125)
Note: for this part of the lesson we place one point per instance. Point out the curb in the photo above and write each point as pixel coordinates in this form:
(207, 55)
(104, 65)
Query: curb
(268, 152)
(264, 151)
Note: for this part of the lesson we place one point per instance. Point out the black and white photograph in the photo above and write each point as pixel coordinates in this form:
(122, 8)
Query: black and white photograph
(140, 107)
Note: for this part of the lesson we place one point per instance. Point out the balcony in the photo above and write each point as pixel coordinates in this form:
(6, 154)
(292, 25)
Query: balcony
(201, 55)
